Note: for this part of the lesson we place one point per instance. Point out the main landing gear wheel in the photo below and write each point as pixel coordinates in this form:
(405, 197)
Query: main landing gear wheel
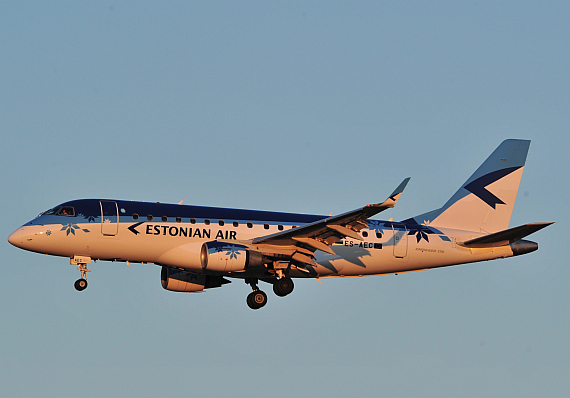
(256, 300)
(80, 284)
(283, 286)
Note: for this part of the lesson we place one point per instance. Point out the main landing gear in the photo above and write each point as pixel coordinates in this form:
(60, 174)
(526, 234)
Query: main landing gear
(81, 284)
(257, 299)
(283, 286)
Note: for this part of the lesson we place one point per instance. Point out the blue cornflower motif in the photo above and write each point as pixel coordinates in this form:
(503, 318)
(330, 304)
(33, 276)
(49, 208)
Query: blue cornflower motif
(70, 227)
(421, 232)
(88, 218)
(233, 251)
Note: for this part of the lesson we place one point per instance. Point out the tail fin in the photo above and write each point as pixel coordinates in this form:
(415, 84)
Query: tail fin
(485, 202)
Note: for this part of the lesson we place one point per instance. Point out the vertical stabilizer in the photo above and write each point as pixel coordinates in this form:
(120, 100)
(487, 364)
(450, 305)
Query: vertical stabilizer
(485, 202)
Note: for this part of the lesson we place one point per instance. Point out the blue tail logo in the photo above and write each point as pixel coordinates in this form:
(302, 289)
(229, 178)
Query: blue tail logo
(478, 187)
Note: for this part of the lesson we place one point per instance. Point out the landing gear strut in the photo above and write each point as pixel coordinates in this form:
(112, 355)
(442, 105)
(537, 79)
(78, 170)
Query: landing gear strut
(257, 298)
(81, 284)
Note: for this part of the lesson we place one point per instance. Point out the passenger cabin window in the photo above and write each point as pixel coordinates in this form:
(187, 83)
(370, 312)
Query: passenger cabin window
(164, 218)
(178, 219)
(221, 222)
(207, 222)
(149, 217)
(66, 211)
(365, 234)
(378, 235)
(266, 226)
(192, 221)
(280, 227)
(249, 225)
(135, 216)
(236, 224)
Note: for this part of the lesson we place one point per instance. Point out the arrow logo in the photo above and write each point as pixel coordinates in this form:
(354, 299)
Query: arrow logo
(133, 230)
(479, 186)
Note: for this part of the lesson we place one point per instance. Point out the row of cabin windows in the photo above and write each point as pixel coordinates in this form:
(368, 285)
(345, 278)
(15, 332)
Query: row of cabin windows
(235, 223)
(206, 221)
(365, 234)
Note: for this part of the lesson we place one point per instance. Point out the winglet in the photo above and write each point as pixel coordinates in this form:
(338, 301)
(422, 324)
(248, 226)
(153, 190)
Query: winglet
(393, 198)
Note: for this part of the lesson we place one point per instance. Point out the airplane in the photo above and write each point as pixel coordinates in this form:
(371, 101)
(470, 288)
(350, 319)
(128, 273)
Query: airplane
(200, 247)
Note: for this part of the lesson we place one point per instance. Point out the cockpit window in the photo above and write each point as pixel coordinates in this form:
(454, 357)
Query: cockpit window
(66, 211)
(50, 211)
(59, 211)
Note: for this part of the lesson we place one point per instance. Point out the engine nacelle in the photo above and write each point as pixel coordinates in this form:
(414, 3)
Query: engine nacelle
(227, 257)
(211, 256)
(180, 281)
(190, 256)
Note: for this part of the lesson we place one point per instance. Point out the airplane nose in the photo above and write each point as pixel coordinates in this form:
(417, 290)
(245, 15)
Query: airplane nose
(17, 237)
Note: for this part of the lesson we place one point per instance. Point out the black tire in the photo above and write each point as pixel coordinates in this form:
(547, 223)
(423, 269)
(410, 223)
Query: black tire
(256, 300)
(283, 286)
(250, 302)
(80, 284)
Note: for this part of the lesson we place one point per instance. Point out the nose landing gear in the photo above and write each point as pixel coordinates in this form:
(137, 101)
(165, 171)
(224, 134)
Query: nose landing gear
(81, 284)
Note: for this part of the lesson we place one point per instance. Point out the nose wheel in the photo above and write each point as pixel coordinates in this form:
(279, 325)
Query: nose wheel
(80, 284)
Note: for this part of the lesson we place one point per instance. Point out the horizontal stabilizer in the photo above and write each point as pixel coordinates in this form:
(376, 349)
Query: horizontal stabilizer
(506, 237)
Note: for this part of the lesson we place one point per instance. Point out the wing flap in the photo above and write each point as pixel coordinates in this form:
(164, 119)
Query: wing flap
(351, 233)
(316, 244)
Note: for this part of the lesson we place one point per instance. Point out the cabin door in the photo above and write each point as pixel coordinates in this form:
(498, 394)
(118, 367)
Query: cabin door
(400, 240)
(109, 217)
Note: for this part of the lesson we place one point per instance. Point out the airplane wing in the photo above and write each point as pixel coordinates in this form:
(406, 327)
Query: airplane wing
(300, 243)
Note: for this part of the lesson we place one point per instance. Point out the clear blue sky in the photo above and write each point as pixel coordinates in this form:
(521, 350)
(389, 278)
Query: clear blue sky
(311, 107)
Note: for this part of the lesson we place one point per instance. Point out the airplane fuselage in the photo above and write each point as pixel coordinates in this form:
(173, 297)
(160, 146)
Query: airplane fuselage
(141, 232)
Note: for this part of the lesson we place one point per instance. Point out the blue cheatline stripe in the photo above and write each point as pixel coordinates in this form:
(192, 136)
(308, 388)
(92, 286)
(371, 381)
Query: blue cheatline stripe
(90, 210)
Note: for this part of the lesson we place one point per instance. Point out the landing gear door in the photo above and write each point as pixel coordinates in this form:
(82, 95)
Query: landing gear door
(400, 240)
(109, 217)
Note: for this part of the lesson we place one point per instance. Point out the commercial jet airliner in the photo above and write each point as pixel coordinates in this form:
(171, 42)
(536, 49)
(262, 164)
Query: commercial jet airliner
(199, 247)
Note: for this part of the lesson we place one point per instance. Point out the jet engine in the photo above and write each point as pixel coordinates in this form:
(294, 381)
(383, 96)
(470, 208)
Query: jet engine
(220, 256)
(180, 281)
(211, 256)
